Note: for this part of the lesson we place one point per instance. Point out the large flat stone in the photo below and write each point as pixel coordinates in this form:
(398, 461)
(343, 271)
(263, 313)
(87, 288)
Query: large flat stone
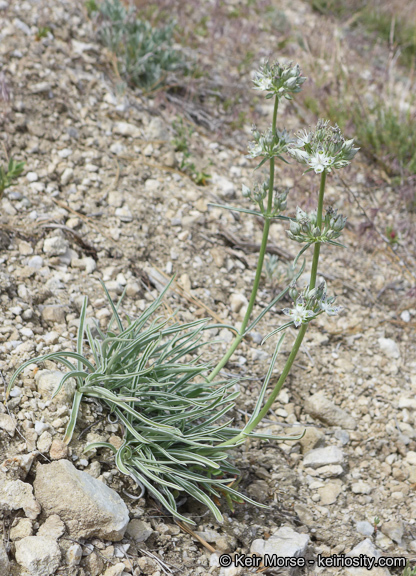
(87, 506)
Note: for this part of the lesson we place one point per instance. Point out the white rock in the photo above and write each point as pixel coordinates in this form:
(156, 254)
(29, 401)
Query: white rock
(365, 528)
(74, 555)
(88, 264)
(361, 488)
(35, 262)
(214, 560)
(51, 338)
(138, 530)
(41, 87)
(156, 129)
(53, 527)
(65, 152)
(67, 176)
(331, 455)
(117, 148)
(409, 403)
(23, 528)
(115, 198)
(231, 571)
(237, 301)
(126, 129)
(44, 441)
(25, 249)
(15, 494)
(47, 382)
(284, 542)
(38, 555)
(411, 457)
(225, 335)
(116, 570)
(331, 471)
(152, 185)
(40, 427)
(8, 424)
(329, 493)
(389, 347)
(55, 246)
(318, 406)
(87, 506)
(367, 548)
(124, 214)
(32, 176)
(394, 530)
(80, 47)
(405, 316)
(225, 187)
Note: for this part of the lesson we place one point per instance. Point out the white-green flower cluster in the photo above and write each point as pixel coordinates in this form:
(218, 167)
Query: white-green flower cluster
(269, 144)
(304, 228)
(323, 149)
(311, 303)
(259, 194)
(281, 80)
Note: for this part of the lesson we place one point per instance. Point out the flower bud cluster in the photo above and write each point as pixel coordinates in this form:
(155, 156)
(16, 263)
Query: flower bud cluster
(260, 192)
(269, 144)
(305, 229)
(279, 80)
(323, 149)
(311, 303)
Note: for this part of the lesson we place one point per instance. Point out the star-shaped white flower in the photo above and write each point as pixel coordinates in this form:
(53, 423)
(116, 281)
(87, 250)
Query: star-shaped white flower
(320, 162)
(328, 308)
(299, 313)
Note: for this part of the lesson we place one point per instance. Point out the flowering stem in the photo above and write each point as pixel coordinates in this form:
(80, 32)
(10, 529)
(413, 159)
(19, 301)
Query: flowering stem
(263, 247)
(317, 248)
(302, 331)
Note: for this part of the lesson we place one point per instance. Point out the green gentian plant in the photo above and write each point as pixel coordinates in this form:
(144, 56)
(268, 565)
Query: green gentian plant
(175, 413)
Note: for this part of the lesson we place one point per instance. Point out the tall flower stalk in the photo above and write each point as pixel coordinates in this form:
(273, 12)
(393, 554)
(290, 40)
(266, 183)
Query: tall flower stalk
(279, 82)
(321, 150)
(257, 418)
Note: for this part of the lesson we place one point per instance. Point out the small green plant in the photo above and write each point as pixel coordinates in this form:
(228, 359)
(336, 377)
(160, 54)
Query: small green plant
(390, 137)
(181, 143)
(392, 235)
(42, 32)
(91, 6)
(7, 175)
(408, 571)
(144, 54)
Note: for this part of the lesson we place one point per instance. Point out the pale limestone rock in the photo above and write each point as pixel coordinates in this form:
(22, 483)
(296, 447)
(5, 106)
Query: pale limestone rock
(39, 556)
(87, 506)
(47, 381)
(319, 407)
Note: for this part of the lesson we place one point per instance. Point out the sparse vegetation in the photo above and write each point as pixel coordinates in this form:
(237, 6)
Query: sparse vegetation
(7, 175)
(182, 144)
(145, 54)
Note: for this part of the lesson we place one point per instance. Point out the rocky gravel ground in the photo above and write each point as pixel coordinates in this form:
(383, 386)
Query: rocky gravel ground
(102, 198)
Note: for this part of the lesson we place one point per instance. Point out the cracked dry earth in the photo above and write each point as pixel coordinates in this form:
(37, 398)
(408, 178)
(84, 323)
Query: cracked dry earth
(102, 198)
